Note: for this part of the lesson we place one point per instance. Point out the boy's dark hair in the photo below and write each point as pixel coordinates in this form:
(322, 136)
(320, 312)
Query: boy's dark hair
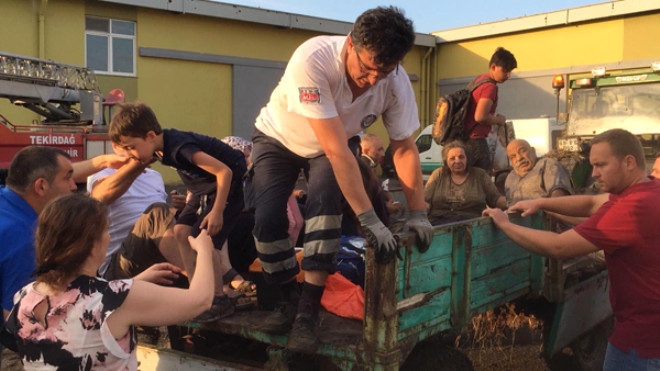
(386, 33)
(32, 163)
(133, 120)
(504, 58)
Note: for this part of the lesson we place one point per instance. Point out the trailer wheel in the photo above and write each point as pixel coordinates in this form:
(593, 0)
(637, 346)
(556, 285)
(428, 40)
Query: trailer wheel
(590, 348)
(434, 355)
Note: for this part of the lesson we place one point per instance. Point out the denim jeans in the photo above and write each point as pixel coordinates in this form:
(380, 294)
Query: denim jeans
(618, 360)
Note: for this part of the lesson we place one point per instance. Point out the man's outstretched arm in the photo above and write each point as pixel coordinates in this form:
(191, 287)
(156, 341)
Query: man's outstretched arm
(559, 246)
(110, 188)
(83, 169)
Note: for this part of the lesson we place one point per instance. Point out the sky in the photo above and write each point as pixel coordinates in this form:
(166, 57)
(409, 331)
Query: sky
(427, 15)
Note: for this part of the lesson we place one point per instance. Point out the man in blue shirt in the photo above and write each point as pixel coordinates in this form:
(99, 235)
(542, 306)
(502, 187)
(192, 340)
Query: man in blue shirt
(36, 176)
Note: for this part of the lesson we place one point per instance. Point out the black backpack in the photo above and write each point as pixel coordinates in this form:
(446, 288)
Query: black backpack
(450, 114)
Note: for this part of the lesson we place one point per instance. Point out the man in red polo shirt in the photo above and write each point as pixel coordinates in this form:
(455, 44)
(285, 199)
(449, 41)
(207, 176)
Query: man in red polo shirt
(623, 223)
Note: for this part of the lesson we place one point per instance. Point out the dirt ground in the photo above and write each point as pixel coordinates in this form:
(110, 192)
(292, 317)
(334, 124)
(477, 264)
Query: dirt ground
(510, 358)
(516, 358)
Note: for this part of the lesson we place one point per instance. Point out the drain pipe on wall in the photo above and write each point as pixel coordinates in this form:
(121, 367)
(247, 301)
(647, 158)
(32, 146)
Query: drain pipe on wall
(42, 29)
(425, 94)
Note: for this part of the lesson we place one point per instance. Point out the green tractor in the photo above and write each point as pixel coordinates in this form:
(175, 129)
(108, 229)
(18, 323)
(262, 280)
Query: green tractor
(628, 99)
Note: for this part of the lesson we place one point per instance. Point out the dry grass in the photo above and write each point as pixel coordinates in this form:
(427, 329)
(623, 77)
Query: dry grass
(498, 326)
(494, 341)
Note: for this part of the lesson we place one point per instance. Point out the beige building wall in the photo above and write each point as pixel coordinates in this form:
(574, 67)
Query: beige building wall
(639, 38)
(539, 50)
(616, 42)
(584, 44)
(197, 96)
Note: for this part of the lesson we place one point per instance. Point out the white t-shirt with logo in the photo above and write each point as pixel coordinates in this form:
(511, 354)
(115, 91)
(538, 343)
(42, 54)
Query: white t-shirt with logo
(315, 85)
(146, 189)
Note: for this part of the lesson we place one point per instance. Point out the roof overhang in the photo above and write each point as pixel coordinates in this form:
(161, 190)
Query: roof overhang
(588, 13)
(256, 15)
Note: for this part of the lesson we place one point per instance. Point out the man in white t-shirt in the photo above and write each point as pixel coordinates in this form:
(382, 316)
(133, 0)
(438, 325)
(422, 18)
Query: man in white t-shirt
(143, 188)
(140, 220)
(333, 88)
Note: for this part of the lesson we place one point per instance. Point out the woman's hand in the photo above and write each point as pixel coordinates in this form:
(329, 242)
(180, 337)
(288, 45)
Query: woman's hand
(201, 242)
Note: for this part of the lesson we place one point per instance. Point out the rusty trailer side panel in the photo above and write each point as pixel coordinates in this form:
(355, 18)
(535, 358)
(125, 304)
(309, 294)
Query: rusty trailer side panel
(470, 267)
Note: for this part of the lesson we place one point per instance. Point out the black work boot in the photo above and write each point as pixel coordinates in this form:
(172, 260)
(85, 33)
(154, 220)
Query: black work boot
(302, 337)
(279, 321)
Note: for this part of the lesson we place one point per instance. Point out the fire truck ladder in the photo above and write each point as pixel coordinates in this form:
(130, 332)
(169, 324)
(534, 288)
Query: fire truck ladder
(51, 89)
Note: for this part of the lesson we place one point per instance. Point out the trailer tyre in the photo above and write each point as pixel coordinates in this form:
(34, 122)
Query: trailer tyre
(590, 348)
(433, 355)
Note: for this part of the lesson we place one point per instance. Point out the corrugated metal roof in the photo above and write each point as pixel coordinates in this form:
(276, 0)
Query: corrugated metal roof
(588, 13)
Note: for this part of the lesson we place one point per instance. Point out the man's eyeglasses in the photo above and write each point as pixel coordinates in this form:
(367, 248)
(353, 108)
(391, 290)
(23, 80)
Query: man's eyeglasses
(377, 72)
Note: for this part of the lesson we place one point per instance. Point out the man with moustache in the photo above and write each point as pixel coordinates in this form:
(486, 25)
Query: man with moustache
(372, 150)
(622, 223)
(373, 155)
(533, 178)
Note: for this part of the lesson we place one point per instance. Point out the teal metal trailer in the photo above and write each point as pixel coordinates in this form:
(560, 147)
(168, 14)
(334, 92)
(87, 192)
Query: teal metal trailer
(470, 267)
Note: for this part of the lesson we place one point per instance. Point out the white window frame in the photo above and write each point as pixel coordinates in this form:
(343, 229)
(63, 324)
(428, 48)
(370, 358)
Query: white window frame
(110, 37)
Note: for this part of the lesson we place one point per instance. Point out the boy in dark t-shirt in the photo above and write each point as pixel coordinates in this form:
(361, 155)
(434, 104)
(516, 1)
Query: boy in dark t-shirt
(211, 170)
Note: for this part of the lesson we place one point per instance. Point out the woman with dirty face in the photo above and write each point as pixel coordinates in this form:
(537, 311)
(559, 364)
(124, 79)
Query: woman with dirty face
(457, 191)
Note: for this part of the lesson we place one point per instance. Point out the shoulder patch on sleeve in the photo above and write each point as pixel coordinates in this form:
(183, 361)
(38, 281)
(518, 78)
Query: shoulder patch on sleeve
(309, 95)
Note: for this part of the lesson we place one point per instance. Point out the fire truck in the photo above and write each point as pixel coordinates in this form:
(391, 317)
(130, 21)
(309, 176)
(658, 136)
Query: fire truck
(627, 99)
(67, 100)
